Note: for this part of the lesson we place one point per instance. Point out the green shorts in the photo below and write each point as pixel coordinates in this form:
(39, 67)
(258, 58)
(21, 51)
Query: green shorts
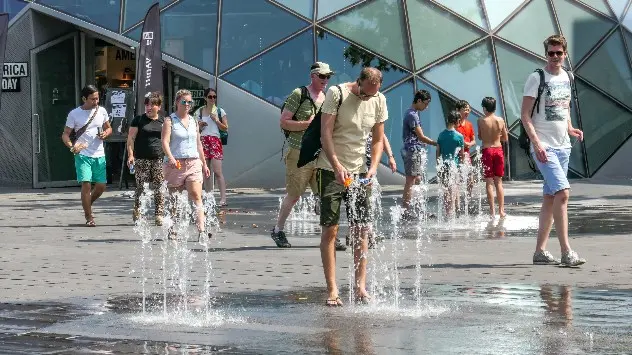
(90, 169)
(357, 201)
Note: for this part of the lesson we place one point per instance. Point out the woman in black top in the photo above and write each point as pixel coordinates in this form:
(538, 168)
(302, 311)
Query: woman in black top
(144, 149)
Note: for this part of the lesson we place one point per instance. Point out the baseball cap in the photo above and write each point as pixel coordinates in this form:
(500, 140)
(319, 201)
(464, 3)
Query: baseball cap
(321, 68)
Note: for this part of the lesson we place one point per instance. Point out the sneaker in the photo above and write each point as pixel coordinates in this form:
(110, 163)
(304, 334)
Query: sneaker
(280, 239)
(570, 258)
(544, 258)
(340, 246)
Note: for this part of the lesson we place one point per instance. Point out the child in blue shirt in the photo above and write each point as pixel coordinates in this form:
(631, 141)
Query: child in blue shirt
(450, 148)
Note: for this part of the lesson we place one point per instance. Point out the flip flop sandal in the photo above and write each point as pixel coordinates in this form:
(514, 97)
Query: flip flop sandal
(336, 302)
(90, 223)
(363, 300)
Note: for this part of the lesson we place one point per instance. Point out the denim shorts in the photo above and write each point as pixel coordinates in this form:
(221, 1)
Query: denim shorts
(554, 171)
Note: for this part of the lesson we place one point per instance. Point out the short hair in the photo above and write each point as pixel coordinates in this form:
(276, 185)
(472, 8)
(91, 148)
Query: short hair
(373, 75)
(489, 104)
(88, 90)
(421, 95)
(182, 92)
(555, 40)
(154, 98)
(461, 104)
(453, 117)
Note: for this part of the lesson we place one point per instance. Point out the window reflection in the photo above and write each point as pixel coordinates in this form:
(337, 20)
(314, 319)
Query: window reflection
(249, 27)
(274, 75)
(347, 60)
(135, 10)
(189, 32)
(103, 13)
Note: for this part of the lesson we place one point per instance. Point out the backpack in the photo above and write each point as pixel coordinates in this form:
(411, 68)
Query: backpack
(304, 96)
(310, 144)
(523, 139)
(223, 135)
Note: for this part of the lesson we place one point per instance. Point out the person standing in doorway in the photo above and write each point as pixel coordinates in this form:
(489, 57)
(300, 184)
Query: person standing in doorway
(351, 112)
(297, 113)
(414, 151)
(212, 119)
(548, 125)
(492, 131)
(185, 166)
(144, 150)
(90, 124)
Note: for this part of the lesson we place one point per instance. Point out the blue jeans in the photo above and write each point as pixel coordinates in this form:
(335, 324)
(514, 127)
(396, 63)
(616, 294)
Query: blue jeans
(554, 171)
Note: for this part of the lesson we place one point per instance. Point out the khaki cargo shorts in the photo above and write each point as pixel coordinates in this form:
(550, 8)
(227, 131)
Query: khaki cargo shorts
(297, 179)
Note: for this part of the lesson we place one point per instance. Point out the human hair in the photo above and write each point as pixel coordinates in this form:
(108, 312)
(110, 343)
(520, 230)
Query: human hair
(180, 93)
(453, 117)
(88, 90)
(489, 104)
(208, 91)
(421, 95)
(555, 40)
(461, 104)
(373, 75)
(154, 98)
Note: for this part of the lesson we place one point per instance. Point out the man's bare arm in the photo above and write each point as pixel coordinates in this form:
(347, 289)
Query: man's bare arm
(288, 124)
(504, 135)
(377, 145)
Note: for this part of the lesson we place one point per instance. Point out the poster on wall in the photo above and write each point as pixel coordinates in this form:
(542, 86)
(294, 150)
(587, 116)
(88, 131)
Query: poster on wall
(116, 103)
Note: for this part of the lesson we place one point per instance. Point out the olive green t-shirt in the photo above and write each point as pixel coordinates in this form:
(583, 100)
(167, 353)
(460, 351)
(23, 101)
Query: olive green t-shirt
(354, 122)
(302, 113)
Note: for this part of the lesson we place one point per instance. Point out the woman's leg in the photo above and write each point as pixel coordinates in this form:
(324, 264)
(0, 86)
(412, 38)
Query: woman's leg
(194, 188)
(157, 177)
(142, 175)
(216, 166)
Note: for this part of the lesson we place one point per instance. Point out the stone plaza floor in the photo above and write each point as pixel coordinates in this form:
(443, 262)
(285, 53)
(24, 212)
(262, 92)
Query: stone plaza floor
(66, 288)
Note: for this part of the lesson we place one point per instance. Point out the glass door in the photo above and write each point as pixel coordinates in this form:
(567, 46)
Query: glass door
(54, 92)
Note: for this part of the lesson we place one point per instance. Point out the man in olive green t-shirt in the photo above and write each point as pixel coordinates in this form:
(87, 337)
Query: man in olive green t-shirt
(295, 118)
(344, 132)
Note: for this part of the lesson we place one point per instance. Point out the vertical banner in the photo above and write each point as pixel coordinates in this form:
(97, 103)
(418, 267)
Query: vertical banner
(4, 28)
(149, 68)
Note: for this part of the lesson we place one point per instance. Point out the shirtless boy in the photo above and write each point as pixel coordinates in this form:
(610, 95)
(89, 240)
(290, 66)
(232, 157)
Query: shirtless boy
(492, 130)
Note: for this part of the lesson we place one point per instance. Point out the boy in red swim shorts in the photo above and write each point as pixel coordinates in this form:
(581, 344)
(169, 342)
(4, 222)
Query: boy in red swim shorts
(492, 131)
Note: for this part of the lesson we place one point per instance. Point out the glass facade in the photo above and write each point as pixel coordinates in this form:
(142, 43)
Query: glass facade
(456, 49)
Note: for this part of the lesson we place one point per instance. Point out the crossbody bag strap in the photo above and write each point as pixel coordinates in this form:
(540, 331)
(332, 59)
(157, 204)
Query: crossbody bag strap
(83, 129)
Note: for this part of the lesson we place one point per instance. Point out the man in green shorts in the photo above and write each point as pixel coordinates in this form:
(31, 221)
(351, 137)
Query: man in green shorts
(91, 126)
(350, 113)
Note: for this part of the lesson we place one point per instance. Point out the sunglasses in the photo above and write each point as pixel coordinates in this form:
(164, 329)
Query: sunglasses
(554, 53)
(324, 76)
(185, 102)
(212, 96)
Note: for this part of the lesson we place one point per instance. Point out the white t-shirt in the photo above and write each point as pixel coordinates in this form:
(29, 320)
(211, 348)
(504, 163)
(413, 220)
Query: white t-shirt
(77, 118)
(551, 123)
(211, 129)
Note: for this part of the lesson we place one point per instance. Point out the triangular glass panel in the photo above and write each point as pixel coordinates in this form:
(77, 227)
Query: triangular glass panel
(470, 9)
(328, 7)
(607, 125)
(628, 41)
(521, 165)
(514, 67)
(347, 60)
(608, 68)
(135, 33)
(260, 25)
(498, 10)
(618, 6)
(189, 38)
(470, 75)
(581, 28)
(303, 7)
(273, 75)
(135, 10)
(430, 26)
(535, 16)
(599, 5)
(576, 161)
(377, 25)
(101, 13)
(627, 20)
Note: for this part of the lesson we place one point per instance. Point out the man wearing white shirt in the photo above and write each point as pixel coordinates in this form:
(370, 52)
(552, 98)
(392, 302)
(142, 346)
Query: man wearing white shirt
(91, 125)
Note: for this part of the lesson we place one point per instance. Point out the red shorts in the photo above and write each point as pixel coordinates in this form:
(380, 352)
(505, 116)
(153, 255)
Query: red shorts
(493, 162)
(212, 147)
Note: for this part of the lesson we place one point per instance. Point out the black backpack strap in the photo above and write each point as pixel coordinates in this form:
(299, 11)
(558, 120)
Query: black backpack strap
(339, 99)
(571, 79)
(536, 104)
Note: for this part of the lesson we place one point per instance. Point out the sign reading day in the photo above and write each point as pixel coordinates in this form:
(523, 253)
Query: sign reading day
(11, 74)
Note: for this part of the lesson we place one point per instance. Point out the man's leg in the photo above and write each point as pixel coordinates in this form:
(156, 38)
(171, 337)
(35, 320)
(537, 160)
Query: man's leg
(97, 191)
(328, 257)
(500, 195)
(331, 195)
(546, 222)
(489, 187)
(86, 201)
(408, 187)
(98, 177)
(360, 253)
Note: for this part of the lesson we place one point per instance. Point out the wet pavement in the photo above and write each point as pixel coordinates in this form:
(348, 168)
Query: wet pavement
(69, 289)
